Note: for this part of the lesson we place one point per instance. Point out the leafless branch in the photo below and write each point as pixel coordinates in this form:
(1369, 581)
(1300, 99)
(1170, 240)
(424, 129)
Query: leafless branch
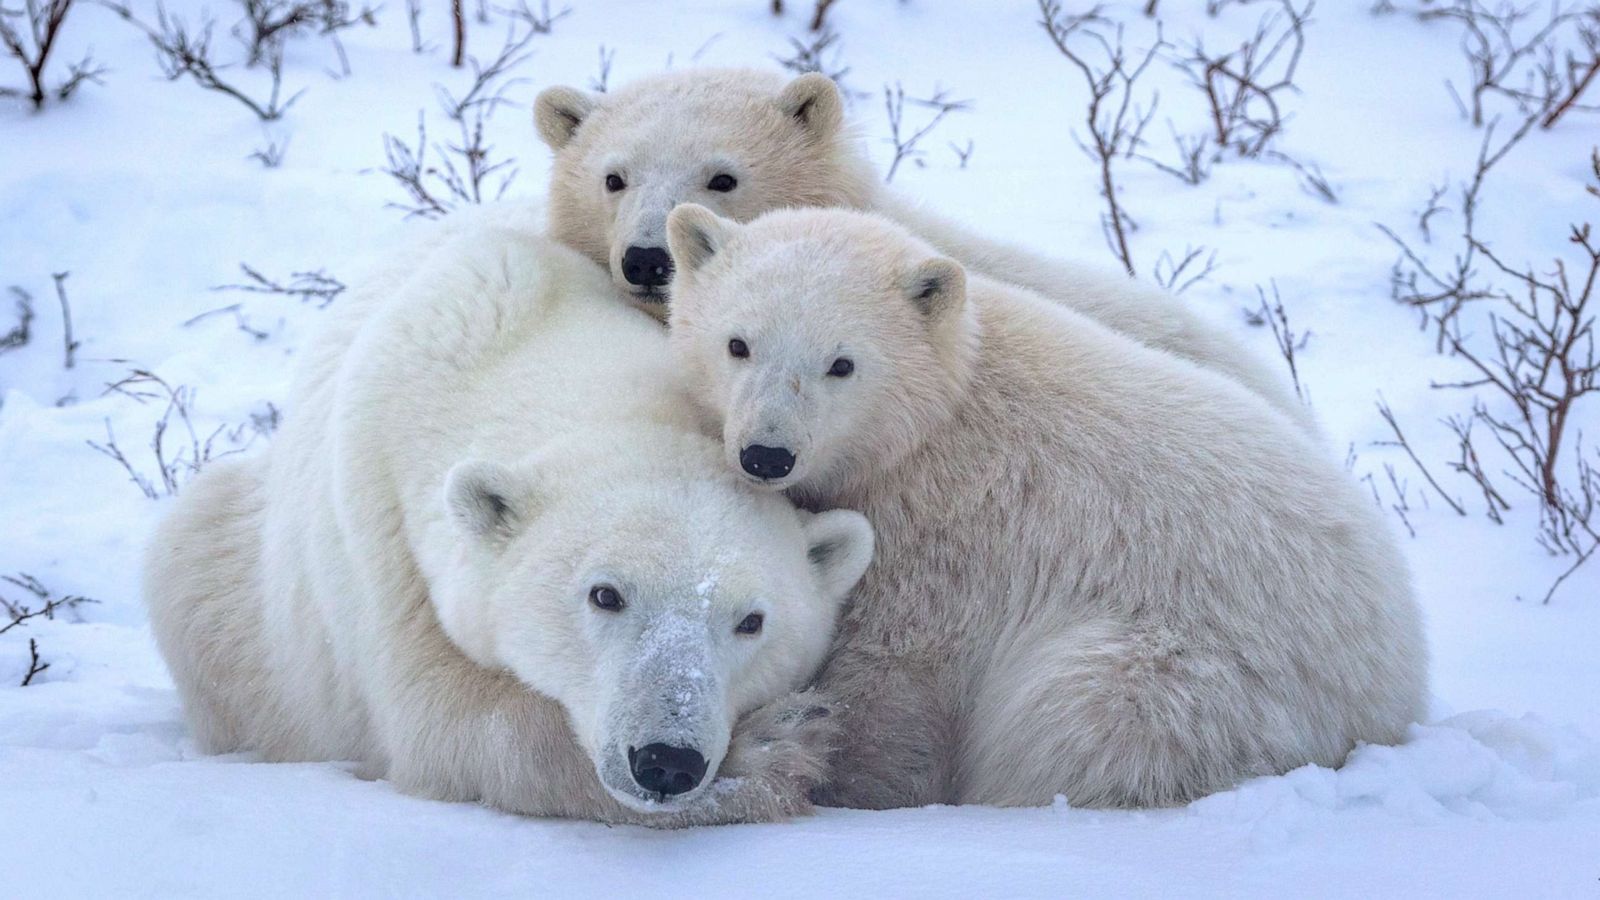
(602, 81)
(29, 35)
(1274, 316)
(817, 53)
(1114, 124)
(819, 16)
(465, 171)
(314, 286)
(1404, 444)
(1178, 275)
(541, 22)
(905, 145)
(22, 332)
(181, 51)
(69, 346)
(176, 458)
(1245, 88)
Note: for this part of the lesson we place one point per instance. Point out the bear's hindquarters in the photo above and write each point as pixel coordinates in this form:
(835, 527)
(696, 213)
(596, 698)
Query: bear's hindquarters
(202, 588)
(1111, 715)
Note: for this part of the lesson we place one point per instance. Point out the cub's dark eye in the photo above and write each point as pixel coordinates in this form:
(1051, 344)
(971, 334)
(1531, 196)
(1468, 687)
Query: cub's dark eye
(841, 367)
(750, 624)
(738, 349)
(722, 183)
(615, 183)
(605, 597)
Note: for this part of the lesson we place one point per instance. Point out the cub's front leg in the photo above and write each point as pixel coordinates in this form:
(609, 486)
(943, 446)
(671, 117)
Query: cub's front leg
(897, 743)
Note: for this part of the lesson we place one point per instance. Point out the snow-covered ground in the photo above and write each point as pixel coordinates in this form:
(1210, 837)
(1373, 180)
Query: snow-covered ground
(143, 191)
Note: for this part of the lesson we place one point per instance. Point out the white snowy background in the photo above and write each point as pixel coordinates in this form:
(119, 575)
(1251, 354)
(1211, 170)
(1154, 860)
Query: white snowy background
(146, 192)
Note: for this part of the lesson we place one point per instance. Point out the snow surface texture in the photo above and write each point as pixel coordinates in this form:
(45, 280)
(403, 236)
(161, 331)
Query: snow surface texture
(142, 190)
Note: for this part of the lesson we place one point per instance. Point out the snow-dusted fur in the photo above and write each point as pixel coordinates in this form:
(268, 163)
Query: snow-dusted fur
(483, 436)
(786, 144)
(1103, 571)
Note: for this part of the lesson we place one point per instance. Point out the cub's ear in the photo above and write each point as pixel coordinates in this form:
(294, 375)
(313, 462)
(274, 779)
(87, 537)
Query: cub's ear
(559, 111)
(840, 544)
(695, 234)
(488, 501)
(814, 100)
(937, 287)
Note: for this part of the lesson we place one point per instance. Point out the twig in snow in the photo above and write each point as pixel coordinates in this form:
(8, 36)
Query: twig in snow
(1178, 275)
(28, 35)
(317, 286)
(905, 145)
(181, 52)
(22, 332)
(1276, 318)
(69, 346)
(1114, 124)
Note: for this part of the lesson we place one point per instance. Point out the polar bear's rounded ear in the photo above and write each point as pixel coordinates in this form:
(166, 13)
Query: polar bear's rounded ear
(559, 111)
(814, 100)
(839, 546)
(695, 234)
(937, 287)
(487, 500)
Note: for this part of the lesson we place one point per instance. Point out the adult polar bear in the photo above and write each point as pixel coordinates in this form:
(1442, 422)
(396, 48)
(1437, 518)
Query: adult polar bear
(1101, 572)
(742, 142)
(490, 557)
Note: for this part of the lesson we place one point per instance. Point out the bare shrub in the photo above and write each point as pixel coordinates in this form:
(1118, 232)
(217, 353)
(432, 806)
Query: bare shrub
(1114, 125)
(21, 333)
(542, 21)
(1539, 57)
(268, 24)
(44, 604)
(1527, 373)
(182, 51)
(176, 447)
(1245, 88)
(29, 35)
(819, 15)
(602, 80)
(1289, 343)
(906, 141)
(1179, 274)
(466, 171)
(817, 53)
(272, 153)
(308, 287)
(69, 346)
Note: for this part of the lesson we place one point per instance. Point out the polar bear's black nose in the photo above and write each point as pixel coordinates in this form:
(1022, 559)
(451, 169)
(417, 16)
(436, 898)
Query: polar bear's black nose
(766, 462)
(666, 770)
(647, 266)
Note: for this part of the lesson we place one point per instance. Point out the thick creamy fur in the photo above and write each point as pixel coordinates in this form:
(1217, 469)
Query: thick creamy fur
(787, 145)
(482, 433)
(1103, 571)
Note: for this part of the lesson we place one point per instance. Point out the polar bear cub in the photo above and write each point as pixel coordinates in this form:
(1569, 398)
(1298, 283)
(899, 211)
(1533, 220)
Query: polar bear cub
(491, 557)
(1102, 572)
(743, 142)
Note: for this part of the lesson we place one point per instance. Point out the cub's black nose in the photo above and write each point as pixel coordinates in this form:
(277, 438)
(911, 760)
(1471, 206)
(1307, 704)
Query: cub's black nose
(647, 266)
(766, 462)
(666, 770)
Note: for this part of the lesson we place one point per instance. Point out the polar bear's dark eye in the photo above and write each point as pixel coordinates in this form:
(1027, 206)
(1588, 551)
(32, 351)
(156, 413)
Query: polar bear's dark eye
(722, 183)
(738, 349)
(750, 624)
(615, 183)
(605, 597)
(841, 367)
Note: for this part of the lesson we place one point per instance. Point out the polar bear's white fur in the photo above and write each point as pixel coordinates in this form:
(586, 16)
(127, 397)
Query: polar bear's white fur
(667, 138)
(1103, 571)
(483, 444)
